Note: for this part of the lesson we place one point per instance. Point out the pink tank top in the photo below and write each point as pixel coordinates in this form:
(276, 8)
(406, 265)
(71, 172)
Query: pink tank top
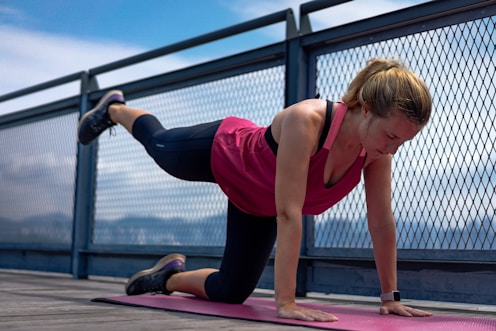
(244, 166)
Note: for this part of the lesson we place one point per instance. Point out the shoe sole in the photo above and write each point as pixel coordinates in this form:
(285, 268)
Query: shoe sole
(159, 265)
(98, 105)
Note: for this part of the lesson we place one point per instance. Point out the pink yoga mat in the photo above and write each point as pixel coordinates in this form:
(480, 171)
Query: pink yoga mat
(263, 310)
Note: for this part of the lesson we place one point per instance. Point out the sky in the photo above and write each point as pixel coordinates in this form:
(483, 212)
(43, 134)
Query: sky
(45, 40)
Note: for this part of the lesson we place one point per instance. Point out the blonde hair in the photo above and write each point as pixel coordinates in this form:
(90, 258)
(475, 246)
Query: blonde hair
(386, 85)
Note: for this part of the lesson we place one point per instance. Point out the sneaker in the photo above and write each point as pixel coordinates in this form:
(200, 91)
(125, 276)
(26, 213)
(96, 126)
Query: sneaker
(97, 120)
(153, 280)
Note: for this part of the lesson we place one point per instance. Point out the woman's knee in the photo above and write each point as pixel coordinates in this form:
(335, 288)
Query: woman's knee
(232, 291)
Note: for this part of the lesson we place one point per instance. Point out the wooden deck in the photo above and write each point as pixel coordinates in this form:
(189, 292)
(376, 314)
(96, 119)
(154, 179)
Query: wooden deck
(47, 301)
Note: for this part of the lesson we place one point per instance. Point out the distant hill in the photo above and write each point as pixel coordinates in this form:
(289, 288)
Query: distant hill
(210, 231)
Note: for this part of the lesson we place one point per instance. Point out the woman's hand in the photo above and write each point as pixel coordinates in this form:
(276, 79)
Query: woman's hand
(394, 307)
(292, 311)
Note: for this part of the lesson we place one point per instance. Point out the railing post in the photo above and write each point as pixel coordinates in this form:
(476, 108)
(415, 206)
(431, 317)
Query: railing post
(296, 69)
(84, 191)
(296, 90)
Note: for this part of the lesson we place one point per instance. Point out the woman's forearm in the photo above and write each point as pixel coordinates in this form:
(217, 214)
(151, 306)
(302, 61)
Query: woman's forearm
(286, 262)
(384, 243)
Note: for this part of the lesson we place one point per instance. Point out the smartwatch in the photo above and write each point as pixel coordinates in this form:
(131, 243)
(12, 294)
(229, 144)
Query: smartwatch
(391, 296)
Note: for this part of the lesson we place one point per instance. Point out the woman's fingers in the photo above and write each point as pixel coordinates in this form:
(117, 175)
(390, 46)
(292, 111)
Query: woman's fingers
(292, 311)
(399, 309)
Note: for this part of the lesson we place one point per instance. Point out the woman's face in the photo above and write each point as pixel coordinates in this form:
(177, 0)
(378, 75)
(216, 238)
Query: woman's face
(381, 136)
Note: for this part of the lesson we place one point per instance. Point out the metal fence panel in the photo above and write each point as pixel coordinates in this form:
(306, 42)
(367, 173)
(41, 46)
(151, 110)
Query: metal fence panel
(137, 203)
(444, 180)
(37, 172)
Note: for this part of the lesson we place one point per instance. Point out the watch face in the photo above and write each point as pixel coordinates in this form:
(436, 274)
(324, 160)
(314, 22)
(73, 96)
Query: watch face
(396, 296)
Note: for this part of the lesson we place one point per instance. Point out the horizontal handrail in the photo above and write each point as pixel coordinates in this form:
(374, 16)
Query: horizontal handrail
(43, 86)
(277, 17)
(313, 6)
(196, 41)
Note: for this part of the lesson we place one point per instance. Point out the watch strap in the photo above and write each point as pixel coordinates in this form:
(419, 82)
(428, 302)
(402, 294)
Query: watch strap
(391, 296)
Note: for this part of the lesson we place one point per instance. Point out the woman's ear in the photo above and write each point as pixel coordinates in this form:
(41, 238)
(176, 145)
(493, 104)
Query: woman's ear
(365, 111)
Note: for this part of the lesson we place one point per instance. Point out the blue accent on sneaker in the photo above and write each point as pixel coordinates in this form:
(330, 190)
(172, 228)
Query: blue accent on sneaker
(97, 120)
(153, 280)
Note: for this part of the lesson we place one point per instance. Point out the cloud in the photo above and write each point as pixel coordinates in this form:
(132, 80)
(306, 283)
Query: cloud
(31, 57)
(34, 57)
(8, 13)
(357, 10)
(322, 19)
(325, 18)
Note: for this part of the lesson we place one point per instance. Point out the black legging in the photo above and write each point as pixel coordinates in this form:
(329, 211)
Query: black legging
(185, 153)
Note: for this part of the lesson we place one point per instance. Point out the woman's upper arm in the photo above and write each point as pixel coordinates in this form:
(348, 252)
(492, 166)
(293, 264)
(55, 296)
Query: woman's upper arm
(377, 178)
(300, 127)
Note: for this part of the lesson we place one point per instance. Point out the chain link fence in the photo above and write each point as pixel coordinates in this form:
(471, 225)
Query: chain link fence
(443, 180)
(37, 171)
(137, 203)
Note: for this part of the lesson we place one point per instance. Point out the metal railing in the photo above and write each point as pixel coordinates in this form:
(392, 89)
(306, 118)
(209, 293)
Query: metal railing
(106, 208)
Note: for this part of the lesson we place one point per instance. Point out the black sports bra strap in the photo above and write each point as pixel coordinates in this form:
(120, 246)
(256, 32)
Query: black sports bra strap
(327, 124)
(325, 131)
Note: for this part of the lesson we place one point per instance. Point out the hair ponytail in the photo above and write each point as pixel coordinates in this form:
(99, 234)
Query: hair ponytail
(385, 86)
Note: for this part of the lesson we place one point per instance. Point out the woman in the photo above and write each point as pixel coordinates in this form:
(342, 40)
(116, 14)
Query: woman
(309, 158)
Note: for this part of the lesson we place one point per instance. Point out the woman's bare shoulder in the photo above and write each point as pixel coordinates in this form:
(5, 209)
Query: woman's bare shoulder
(310, 112)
